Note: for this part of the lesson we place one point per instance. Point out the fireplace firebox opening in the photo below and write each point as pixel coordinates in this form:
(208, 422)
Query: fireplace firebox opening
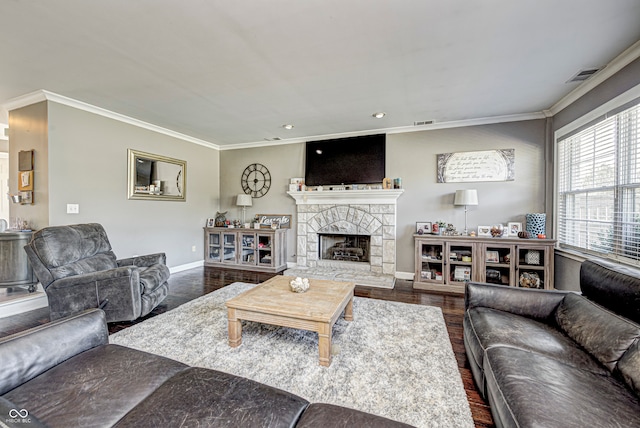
(352, 248)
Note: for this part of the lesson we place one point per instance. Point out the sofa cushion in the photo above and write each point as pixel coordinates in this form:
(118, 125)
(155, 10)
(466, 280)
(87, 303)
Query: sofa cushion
(530, 389)
(12, 415)
(491, 327)
(153, 277)
(27, 354)
(96, 263)
(60, 245)
(319, 415)
(94, 388)
(629, 367)
(203, 397)
(612, 285)
(602, 333)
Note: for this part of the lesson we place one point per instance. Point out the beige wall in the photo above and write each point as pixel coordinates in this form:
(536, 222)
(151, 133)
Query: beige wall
(28, 131)
(412, 156)
(86, 158)
(283, 162)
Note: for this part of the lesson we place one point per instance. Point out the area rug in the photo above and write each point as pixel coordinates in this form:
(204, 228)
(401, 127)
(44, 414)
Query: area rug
(394, 359)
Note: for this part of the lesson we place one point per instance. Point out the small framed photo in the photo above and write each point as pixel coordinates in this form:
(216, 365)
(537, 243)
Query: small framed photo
(423, 227)
(211, 222)
(514, 227)
(484, 230)
(493, 257)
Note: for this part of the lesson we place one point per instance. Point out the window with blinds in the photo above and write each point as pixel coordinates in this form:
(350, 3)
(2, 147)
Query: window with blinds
(598, 177)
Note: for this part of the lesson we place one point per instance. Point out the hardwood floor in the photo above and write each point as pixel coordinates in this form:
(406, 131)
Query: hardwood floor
(193, 283)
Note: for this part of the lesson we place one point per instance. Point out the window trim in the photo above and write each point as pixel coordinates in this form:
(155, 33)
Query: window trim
(610, 108)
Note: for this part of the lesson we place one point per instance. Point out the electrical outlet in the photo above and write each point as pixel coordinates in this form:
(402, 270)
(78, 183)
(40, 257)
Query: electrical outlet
(73, 209)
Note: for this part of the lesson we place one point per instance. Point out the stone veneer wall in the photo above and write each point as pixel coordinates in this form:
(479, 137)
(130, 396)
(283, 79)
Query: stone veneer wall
(375, 220)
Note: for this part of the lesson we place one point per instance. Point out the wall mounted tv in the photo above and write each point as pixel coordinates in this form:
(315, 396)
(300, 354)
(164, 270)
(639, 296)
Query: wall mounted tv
(353, 160)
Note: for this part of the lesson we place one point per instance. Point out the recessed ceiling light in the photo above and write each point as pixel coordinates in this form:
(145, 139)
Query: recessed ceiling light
(287, 126)
(379, 115)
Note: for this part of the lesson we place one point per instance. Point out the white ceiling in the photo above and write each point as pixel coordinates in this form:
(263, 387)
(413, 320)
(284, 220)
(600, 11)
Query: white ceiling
(233, 72)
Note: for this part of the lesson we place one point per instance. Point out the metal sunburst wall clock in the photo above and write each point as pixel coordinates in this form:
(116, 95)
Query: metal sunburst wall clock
(256, 180)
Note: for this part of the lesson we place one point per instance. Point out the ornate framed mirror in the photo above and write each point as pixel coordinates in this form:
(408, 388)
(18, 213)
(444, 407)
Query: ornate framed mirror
(156, 177)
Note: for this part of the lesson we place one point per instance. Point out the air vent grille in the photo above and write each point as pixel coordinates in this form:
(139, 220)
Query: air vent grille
(423, 122)
(583, 75)
(273, 139)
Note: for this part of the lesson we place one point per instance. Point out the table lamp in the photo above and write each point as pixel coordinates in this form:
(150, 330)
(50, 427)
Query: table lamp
(244, 201)
(466, 197)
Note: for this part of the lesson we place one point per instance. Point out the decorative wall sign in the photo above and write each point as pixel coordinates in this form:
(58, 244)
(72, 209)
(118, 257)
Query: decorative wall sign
(266, 220)
(488, 165)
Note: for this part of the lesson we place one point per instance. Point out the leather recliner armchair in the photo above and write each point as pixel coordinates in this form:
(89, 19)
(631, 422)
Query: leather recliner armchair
(78, 270)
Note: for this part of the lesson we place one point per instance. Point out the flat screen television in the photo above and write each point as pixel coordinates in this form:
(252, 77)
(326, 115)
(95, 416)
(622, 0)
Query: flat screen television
(144, 171)
(353, 160)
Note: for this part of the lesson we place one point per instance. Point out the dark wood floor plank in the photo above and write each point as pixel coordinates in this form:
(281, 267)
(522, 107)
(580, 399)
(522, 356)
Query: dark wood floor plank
(193, 283)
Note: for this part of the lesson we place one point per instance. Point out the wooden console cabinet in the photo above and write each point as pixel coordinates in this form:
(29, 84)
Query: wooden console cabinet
(263, 250)
(445, 263)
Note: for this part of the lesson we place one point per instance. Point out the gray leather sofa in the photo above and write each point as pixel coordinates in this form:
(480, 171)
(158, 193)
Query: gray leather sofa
(78, 270)
(558, 359)
(66, 374)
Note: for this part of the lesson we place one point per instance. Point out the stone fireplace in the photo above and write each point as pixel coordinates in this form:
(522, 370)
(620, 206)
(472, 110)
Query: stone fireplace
(355, 213)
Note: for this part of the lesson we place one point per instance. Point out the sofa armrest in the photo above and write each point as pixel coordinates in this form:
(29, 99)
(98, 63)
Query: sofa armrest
(116, 289)
(91, 278)
(27, 354)
(144, 261)
(532, 303)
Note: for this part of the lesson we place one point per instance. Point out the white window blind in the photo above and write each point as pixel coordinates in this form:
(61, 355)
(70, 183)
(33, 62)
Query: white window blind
(599, 188)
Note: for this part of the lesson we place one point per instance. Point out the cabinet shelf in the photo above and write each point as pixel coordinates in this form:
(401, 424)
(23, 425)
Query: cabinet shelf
(246, 249)
(438, 264)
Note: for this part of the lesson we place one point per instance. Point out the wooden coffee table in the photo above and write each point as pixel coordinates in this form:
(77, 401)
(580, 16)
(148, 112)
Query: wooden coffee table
(273, 302)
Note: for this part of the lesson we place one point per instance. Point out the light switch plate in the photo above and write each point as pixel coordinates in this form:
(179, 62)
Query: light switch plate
(73, 209)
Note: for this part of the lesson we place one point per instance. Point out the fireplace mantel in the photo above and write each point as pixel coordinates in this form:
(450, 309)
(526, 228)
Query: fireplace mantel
(368, 196)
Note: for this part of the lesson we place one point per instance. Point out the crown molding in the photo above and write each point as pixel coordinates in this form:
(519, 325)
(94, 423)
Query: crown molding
(395, 130)
(618, 63)
(43, 95)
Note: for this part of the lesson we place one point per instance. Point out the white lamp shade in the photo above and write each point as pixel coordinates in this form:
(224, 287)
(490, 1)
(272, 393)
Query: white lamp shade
(466, 197)
(244, 200)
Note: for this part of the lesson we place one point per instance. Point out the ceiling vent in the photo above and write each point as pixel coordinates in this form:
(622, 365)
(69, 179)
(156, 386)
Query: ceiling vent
(273, 139)
(583, 75)
(423, 122)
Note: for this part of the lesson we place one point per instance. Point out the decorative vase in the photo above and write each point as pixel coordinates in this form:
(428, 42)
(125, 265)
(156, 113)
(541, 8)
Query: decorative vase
(536, 224)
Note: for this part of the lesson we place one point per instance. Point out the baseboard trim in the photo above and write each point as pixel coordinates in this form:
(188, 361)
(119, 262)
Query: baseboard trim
(180, 268)
(405, 275)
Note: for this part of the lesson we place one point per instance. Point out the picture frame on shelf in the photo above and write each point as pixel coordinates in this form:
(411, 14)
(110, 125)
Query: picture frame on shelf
(514, 227)
(211, 222)
(492, 257)
(484, 230)
(423, 227)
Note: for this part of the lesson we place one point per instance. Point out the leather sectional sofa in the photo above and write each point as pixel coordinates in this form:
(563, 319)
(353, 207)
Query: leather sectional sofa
(558, 359)
(66, 374)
